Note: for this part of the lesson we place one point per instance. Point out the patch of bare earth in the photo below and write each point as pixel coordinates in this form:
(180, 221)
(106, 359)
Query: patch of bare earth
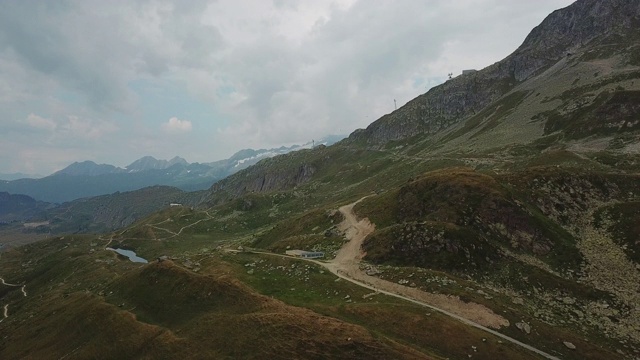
(347, 263)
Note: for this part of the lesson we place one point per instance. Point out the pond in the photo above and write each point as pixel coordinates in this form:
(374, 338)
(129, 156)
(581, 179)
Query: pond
(130, 254)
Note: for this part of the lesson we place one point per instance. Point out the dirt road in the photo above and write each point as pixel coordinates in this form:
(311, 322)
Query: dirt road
(6, 306)
(346, 265)
(174, 234)
(7, 284)
(355, 231)
(347, 262)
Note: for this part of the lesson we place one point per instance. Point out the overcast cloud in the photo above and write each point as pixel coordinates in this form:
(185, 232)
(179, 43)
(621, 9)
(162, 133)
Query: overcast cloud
(112, 81)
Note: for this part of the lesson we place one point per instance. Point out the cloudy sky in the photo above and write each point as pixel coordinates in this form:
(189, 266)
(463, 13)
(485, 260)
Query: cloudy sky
(112, 81)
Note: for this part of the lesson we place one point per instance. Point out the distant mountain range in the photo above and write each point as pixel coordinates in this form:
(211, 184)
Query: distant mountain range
(18, 175)
(86, 179)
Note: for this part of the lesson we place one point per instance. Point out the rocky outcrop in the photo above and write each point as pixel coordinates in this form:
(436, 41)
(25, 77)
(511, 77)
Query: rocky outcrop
(15, 207)
(462, 220)
(263, 177)
(586, 23)
(275, 180)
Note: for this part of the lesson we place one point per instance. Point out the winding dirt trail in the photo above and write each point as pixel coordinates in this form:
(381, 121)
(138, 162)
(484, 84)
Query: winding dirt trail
(346, 265)
(7, 284)
(174, 234)
(111, 238)
(347, 262)
(355, 231)
(6, 306)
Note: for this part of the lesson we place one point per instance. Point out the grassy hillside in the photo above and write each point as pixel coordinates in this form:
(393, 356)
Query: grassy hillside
(166, 310)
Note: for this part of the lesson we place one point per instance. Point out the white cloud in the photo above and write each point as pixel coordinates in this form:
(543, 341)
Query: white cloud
(175, 125)
(72, 128)
(286, 71)
(87, 128)
(344, 69)
(39, 122)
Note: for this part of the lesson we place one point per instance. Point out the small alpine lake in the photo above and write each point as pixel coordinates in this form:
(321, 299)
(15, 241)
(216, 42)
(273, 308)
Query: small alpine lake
(130, 254)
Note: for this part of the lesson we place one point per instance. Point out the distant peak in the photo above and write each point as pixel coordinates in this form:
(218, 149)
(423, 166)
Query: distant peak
(147, 158)
(87, 167)
(178, 160)
(150, 163)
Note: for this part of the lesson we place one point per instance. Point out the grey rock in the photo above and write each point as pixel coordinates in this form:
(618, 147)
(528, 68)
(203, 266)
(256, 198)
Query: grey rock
(524, 327)
(517, 301)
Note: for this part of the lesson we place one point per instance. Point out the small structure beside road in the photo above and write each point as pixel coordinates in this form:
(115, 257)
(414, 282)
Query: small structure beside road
(305, 254)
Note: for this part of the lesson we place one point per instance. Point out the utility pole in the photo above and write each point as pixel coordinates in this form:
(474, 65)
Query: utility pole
(395, 104)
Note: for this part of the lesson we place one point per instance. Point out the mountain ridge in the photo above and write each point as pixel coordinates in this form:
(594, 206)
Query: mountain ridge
(89, 168)
(457, 99)
(149, 163)
(87, 179)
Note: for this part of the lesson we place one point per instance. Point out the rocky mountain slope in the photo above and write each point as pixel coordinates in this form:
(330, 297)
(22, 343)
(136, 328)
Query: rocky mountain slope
(149, 162)
(89, 168)
(583, 29)
(20, 207)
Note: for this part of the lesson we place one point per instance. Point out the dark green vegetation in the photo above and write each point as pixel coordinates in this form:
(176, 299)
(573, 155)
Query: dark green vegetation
(610, 113)
(623, 220)
(24, 220)
(460, 219)
(515, 188)
(165, 310)
(19, 207)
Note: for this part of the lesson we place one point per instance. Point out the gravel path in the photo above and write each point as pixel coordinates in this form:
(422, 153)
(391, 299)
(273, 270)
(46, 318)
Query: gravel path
(346, 265)
(347, 262)
(6, 306)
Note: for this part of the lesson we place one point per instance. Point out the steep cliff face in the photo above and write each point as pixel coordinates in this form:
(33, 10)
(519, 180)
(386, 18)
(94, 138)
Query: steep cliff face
(258, 181)
(584, 24)
(272, 174)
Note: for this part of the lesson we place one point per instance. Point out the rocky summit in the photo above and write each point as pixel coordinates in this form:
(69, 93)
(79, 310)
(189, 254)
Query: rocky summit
(494, 217)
